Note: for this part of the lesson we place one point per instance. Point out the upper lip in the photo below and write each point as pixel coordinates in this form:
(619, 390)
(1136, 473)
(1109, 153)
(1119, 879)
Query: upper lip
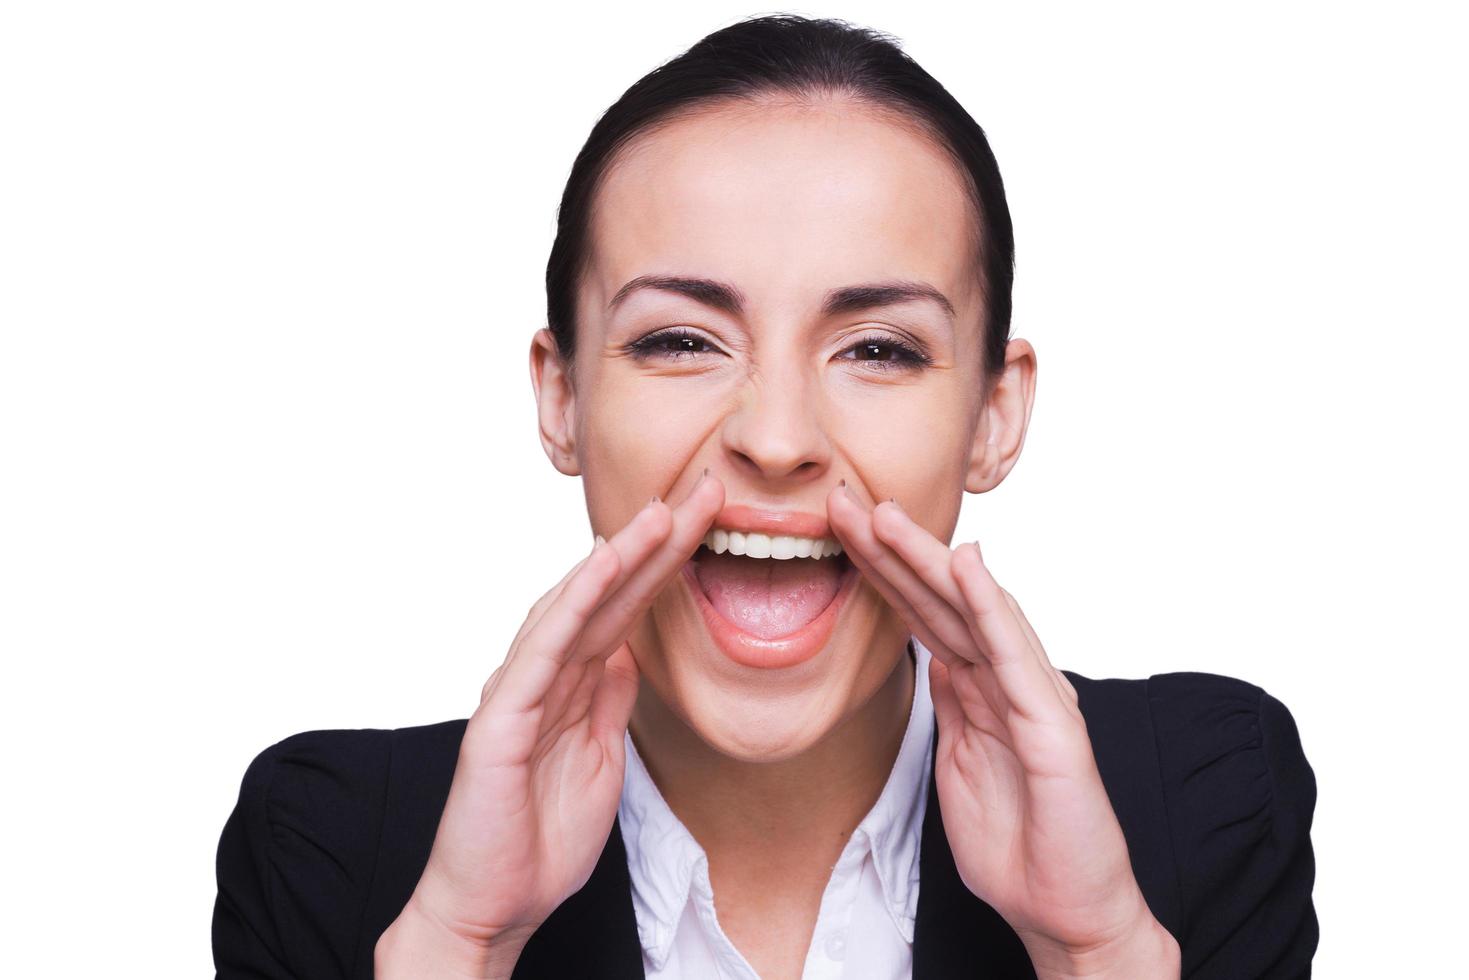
(759, 520)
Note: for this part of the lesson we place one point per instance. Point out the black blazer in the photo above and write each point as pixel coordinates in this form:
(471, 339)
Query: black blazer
(1206, 774)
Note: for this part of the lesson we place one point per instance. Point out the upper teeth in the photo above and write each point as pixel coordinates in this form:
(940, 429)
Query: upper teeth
(770, 546)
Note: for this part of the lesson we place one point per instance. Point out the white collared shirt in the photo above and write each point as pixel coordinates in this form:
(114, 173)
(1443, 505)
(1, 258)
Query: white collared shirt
(867, 909)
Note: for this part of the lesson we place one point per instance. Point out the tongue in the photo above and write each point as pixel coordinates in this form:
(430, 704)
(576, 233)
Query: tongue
(764, 596)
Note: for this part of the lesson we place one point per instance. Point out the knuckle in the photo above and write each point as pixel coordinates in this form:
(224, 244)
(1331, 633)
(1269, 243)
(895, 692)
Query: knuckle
(626, 607)
(928, 607)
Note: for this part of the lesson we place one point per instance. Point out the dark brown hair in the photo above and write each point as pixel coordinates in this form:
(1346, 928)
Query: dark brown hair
(786, 54)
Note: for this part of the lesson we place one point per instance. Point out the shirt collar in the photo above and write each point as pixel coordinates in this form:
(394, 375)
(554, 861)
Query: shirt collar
(664, 860)
(894, 825)
(662, 857)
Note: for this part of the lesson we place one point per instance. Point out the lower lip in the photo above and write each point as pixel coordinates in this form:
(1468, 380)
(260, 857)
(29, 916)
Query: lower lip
(750, 650)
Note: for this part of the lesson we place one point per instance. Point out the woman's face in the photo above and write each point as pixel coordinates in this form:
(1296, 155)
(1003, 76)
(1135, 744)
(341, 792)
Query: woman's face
(779, 396)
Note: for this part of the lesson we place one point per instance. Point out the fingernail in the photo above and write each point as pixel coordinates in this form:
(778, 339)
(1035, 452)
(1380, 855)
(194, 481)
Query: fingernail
(600, 540)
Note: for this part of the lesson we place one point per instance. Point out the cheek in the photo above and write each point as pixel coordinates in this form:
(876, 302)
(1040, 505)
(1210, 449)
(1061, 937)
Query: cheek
(906, 434)
(911, 443)
(637, 439)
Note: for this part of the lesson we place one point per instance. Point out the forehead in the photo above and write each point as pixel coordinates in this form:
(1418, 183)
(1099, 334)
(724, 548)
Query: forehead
(785, 201)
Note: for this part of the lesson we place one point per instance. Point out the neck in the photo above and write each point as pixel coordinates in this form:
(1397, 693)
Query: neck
(801, 805)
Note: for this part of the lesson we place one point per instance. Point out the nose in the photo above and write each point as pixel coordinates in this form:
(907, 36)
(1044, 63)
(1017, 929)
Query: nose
(776, 432)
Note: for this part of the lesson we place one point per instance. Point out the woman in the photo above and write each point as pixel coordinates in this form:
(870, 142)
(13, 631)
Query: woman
(778, 353)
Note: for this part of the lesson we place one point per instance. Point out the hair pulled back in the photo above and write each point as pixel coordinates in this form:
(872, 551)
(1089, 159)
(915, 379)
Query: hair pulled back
(787, 55)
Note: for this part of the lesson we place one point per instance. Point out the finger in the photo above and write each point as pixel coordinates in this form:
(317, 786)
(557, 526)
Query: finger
(529, 674)
(1063, 686)
(1028, 685)
(925, 554)
(537, 610)
(930, 559)
(648, 573)
(852, 525)
(613, 701)
(933, 581)
(553, 642)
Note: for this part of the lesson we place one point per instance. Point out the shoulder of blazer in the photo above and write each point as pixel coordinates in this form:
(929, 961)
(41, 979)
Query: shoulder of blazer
(1179, 755)
(417, 768)
(1119, 721)
(331, 834)
(324, 846)
(1240, 799)
(1209, 778)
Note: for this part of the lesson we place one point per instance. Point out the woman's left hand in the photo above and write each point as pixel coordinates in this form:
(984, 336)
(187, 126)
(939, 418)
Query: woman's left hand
(1027, 816)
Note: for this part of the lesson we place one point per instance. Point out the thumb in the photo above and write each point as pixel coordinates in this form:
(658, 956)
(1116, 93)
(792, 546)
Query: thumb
(616, 692)
(946, 707)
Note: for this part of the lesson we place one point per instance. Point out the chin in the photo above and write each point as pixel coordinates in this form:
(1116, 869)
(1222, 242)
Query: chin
(761, 730)
(758, 714)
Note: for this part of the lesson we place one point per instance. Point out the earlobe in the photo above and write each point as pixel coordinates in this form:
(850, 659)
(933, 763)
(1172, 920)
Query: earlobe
(1003, 421)
(983, 462)
(555, 403)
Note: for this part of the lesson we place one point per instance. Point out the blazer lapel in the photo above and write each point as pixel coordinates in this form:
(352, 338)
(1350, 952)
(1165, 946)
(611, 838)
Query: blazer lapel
(955, 933)
(594, 933)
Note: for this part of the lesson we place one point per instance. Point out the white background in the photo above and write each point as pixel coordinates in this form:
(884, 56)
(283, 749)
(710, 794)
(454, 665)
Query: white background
(269, 272)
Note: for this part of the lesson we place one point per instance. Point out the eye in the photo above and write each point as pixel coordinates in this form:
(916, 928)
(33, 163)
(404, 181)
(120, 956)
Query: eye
(671, 344)
(884, 353)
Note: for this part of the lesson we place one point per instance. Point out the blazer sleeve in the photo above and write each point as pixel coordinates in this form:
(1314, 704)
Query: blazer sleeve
(1240, 798)
(296, 858)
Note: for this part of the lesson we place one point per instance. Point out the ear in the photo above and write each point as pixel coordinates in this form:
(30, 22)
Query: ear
(1003, 420)
(555, 402)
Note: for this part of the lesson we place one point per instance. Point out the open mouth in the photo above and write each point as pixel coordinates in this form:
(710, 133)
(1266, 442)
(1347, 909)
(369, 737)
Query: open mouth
(769, 600)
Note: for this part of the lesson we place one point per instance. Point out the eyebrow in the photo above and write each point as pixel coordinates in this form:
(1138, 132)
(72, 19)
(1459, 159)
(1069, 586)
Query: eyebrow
(846, 299)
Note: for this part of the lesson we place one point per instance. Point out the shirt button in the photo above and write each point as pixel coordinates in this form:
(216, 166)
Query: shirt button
(836, 946)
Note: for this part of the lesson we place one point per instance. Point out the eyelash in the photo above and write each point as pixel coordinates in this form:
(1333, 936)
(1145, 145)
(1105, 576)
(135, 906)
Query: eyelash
(906, 356)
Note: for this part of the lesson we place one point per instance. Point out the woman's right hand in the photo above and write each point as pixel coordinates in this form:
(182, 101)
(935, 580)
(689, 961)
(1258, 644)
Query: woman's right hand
(540, 768)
